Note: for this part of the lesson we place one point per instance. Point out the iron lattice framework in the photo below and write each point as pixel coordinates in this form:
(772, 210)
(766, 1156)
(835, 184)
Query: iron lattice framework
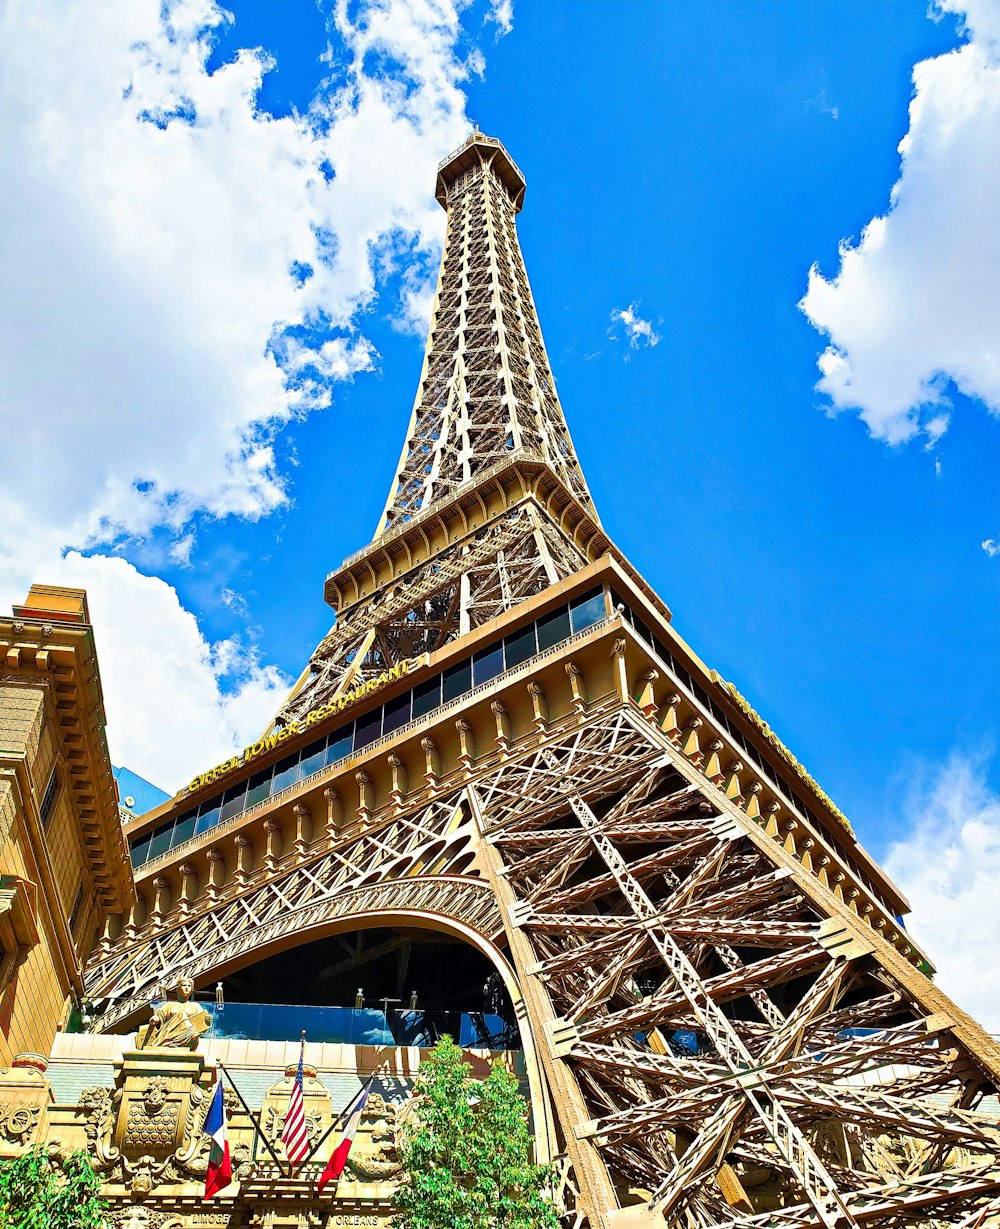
(486, 395)
(486, 389)
(725, 1022)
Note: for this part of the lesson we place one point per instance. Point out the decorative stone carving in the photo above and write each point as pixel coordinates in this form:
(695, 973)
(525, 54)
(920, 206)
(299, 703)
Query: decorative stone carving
(373, 1156)
(24, 1100)
(147, 1130)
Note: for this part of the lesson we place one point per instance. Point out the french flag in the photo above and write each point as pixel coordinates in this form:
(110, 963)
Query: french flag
(335, 1165)
(220, 1171)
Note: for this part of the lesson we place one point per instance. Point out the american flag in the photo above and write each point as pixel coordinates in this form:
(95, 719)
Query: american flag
(293, 1135)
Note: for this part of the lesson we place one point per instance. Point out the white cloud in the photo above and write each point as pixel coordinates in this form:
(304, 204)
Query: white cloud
(991, 547)
(638, 332)
(175, 703)
(949, 867)
(183, 275)
(502, 15)
(916, 303)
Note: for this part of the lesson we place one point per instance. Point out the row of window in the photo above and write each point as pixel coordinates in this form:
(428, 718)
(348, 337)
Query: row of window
(707, 702)
(544, 633)
(737, 735)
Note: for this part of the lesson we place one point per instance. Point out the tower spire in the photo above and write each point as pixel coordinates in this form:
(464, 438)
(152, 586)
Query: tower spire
(486, 388)
(466, 533)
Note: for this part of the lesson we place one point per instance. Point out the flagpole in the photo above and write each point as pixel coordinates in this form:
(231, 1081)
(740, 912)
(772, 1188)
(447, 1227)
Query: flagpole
(336, 1122)
(258, 1129)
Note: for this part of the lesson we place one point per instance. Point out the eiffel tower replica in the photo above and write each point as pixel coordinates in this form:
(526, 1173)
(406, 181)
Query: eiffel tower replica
(503, 739)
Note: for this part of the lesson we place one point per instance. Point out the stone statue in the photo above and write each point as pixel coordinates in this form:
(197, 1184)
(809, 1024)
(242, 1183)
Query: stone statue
(176, 1024)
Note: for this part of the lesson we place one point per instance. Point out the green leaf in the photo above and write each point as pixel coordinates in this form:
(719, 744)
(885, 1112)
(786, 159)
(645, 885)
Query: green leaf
(467, 1156)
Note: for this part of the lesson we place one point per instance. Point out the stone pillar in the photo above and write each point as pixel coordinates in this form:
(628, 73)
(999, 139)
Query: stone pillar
(400, 780)
(366, 796)
(244, 859)
(691, 746)
(216, 874)
(274, 847)
(467, 744)
(578, 687)
(432, 760)
(647, 695)
(713, 766)
(503, 727)
(334, 812)
(303, 829)
(540, 706)
(189, 887)
(671, 719)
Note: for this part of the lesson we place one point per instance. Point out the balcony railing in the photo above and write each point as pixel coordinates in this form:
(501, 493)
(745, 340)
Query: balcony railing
(361, 1026)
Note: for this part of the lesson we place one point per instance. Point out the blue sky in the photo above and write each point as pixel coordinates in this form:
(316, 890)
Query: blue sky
(687, 164)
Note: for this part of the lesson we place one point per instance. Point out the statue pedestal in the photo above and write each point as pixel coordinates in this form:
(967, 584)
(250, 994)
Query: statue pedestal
(24, 1103)
(158, 1090)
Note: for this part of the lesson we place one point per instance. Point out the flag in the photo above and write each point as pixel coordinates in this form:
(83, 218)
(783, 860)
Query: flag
(220, 1171)
(293, 1135)
(338, 1159)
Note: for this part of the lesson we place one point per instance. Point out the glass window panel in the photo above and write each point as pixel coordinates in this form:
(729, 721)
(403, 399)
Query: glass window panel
(616, 601)
(553, 628)
(208, 815)
(683, 675)
(487, 664)
(587, 610)
(233, 801)
(702, 695)
(456, 681)
(662, 651)
(519, 646)
(259, 786)
(643, 630)
(369, 727)
(339, 744)
(139, 850)
(161, 840)
(397, 713)
(427, 696)
(183, 828)
(286, 773)
(313, 759)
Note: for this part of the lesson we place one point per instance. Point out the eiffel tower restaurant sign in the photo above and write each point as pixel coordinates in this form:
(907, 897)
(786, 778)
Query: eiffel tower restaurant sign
(544, 826)
(338, 704)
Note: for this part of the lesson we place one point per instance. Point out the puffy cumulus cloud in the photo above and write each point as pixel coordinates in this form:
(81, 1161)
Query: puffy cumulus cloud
(183, 275)
(502, 15)
(949, 867)
(175, 703)
(915, 305)
(991, 547)
(638, 332)
(182, 271)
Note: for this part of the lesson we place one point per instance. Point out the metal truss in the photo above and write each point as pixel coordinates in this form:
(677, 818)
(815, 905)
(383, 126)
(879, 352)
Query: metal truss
(486, 388)
(723, 1040)
(722, 1021)
(415, 863)
(490, 572)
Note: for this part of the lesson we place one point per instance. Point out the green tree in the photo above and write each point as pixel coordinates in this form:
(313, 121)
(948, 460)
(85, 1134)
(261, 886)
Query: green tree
(37, 1192)
(467, 1156)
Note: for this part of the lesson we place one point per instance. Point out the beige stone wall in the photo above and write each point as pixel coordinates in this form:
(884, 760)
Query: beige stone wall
(35, 1001)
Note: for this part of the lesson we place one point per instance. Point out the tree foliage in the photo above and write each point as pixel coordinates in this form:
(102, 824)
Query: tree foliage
(467, 1156)
(37, 1192)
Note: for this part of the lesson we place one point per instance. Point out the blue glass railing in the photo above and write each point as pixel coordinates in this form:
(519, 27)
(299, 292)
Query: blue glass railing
(361, 1026)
